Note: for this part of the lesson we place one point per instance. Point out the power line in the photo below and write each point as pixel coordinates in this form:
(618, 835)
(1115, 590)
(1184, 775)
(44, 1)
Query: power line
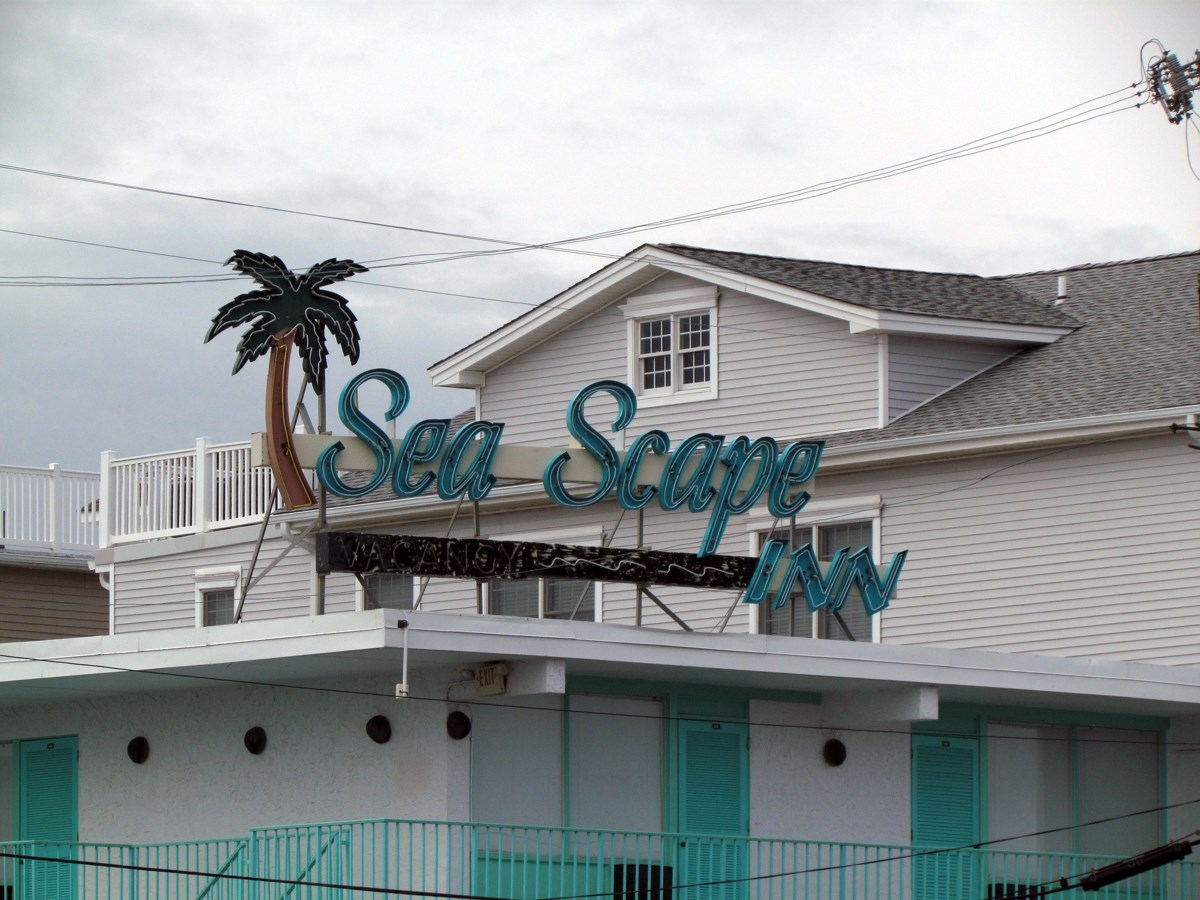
(256, 879)
(241, 682)
(989, 142)
(64, 240)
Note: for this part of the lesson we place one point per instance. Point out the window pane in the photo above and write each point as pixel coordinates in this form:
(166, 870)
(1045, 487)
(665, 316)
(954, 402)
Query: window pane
(513, 597)
(656, 336)
(695, 367)
(562, 595)
(387, 592)
(656, 372)
(851, 535)
(693, 332)
(218, 607)
(830, 539)
(793, 618)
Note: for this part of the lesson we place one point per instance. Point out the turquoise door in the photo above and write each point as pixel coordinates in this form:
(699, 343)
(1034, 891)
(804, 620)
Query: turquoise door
(48, 813)
(714, 799)
(945, 813)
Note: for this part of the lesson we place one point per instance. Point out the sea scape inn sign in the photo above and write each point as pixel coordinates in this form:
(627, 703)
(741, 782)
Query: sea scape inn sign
(703, 474)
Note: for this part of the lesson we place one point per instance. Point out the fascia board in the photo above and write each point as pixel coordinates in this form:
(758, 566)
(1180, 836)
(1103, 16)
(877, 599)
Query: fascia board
(962, 329)
(1006, 437)
(487, 352)
(627, 647)
(464, 369)
(588, 646)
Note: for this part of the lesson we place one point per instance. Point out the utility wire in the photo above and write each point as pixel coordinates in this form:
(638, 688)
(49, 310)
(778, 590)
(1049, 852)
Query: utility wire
(989, 142)
(241, 682)
(898, 857)
(255, 879)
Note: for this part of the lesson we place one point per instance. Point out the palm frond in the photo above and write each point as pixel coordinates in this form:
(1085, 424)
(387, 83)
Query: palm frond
(269, 271)
(310, 342)
(288, 302)
(331, 271)
(335, 314)
(254, 343)
(241, 308)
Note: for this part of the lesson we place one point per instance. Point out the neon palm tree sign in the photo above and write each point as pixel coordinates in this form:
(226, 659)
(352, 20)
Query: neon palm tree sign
(289, 310)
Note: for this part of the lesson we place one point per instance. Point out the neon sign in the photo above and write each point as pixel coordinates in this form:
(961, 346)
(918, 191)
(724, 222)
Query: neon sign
(703, 474)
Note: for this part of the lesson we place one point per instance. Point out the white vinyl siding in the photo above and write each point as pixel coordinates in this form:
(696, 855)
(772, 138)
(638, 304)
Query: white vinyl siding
(159, 591)
(1079, 551)
(783, 372)
(919, 369)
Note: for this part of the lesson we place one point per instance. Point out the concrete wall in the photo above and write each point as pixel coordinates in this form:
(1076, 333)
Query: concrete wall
(200, 781)
(794, 793)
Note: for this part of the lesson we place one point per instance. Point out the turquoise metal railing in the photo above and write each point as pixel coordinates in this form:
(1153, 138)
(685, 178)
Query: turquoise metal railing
(194, 870)
(530, 863)
(342, 860)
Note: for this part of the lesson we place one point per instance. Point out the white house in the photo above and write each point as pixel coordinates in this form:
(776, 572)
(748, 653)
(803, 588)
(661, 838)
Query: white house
(1028, 703)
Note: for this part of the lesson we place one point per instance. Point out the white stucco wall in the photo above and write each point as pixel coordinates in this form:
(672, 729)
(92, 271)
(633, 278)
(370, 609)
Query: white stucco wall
(200, 781)
(793, 791)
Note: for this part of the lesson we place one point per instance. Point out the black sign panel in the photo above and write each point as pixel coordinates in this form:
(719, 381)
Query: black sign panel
(340, 551)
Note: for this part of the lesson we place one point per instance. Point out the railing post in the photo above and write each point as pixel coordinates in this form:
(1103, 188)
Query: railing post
(106, 500)
(53, 525)
(203, 500)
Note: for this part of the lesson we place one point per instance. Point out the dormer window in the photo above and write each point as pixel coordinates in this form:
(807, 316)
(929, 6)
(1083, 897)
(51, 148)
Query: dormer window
(672, 345)
(674, 353)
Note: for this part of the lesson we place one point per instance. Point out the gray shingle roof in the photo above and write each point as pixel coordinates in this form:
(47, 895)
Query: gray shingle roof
(893, 290)
(1138, 348)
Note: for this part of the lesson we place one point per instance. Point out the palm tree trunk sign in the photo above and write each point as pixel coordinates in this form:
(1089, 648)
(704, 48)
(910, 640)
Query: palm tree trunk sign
(289, 310)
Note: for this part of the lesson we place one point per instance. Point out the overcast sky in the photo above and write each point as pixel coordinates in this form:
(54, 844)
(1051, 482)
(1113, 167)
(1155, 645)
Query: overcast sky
(524, 122)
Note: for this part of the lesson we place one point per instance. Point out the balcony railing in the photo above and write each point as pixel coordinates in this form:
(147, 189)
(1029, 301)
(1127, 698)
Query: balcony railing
(49, 509)
(186, 492)
(413, 858)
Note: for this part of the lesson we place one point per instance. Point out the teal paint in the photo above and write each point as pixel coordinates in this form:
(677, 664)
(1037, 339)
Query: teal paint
(961, 712)
(733, 702)
(945, 813)
(1073, 753)
(49, 812)
(566, 761)
(714, 799)
(703, 473)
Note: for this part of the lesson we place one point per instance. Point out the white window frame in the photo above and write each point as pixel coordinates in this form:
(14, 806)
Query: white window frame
(360, 583)
(672, 305)
(216, 578)
(867, 508)
(586, 536)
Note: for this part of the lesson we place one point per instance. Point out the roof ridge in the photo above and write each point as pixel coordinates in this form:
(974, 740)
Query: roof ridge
(1101, 265)
(824, 262)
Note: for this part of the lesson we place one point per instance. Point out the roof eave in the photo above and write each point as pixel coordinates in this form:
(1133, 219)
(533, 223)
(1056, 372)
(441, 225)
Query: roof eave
(895, 451)
(469, 366)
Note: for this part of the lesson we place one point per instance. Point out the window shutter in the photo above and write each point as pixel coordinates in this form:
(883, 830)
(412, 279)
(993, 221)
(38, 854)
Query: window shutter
(713, 800)
(49, 813)
(945, 813)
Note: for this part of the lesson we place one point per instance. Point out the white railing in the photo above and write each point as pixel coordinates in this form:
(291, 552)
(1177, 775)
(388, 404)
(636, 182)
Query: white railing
(49, 509)
(185, 492)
